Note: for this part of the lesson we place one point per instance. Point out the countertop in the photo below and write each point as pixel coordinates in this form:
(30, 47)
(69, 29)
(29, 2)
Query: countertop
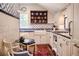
(63, 33)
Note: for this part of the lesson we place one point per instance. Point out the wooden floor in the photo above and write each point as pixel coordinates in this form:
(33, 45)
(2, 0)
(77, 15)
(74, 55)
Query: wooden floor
(44, 50)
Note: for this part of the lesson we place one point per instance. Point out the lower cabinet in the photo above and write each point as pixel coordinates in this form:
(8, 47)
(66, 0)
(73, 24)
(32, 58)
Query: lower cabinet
(75, 51)
(68, 47)
(39, 37)
(59, 51)
(63, 46)
(59, 45)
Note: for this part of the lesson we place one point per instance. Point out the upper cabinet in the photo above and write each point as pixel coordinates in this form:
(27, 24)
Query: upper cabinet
(64, 17)
(69, 12)
(68, 15)
(68, 18)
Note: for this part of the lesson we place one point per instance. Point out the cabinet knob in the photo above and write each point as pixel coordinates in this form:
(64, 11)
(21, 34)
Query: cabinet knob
(60, 44)
(63, 39)
(67, 42)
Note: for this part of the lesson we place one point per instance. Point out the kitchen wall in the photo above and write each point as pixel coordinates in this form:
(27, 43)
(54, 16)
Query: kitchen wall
(36, 7)
(59, 19)
(9, 28)
(44, 39)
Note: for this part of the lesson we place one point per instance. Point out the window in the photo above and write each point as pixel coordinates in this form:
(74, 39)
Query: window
(24, 21)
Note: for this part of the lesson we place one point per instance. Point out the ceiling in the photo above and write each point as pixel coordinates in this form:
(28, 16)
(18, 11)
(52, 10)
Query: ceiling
(54, 7)
(12, 8)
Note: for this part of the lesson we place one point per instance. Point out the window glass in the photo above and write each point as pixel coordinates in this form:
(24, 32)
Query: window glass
(24, 20)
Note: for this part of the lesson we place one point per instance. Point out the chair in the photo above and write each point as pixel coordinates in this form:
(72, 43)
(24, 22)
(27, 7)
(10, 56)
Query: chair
(9, 50)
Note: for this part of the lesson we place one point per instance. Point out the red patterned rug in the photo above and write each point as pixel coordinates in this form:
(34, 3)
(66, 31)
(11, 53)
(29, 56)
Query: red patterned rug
(43, 50)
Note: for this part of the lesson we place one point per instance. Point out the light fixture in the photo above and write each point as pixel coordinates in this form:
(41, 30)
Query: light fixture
(23, 9)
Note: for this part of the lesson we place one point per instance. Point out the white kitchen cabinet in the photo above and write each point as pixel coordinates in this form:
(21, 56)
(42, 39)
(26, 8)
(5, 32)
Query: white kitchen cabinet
(68, 15)
(76, 23)
(69, 12)
(64, 46)
(75, 50)
(59, 45)
(43, 38)
(75, 36)
(72, 13)
(39, 37)
(74, 17)
(51, 39)
(68, 47)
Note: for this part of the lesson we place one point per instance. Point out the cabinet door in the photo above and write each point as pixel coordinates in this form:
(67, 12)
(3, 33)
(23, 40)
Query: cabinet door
(76, 23)
(37, 39)
(68, 47)
(69, 12)
(60, 45)
(51, 39)
(63, 46)
(75, 50)
(76, 29)
(59, 49)
(44, 39)
(68, 16)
